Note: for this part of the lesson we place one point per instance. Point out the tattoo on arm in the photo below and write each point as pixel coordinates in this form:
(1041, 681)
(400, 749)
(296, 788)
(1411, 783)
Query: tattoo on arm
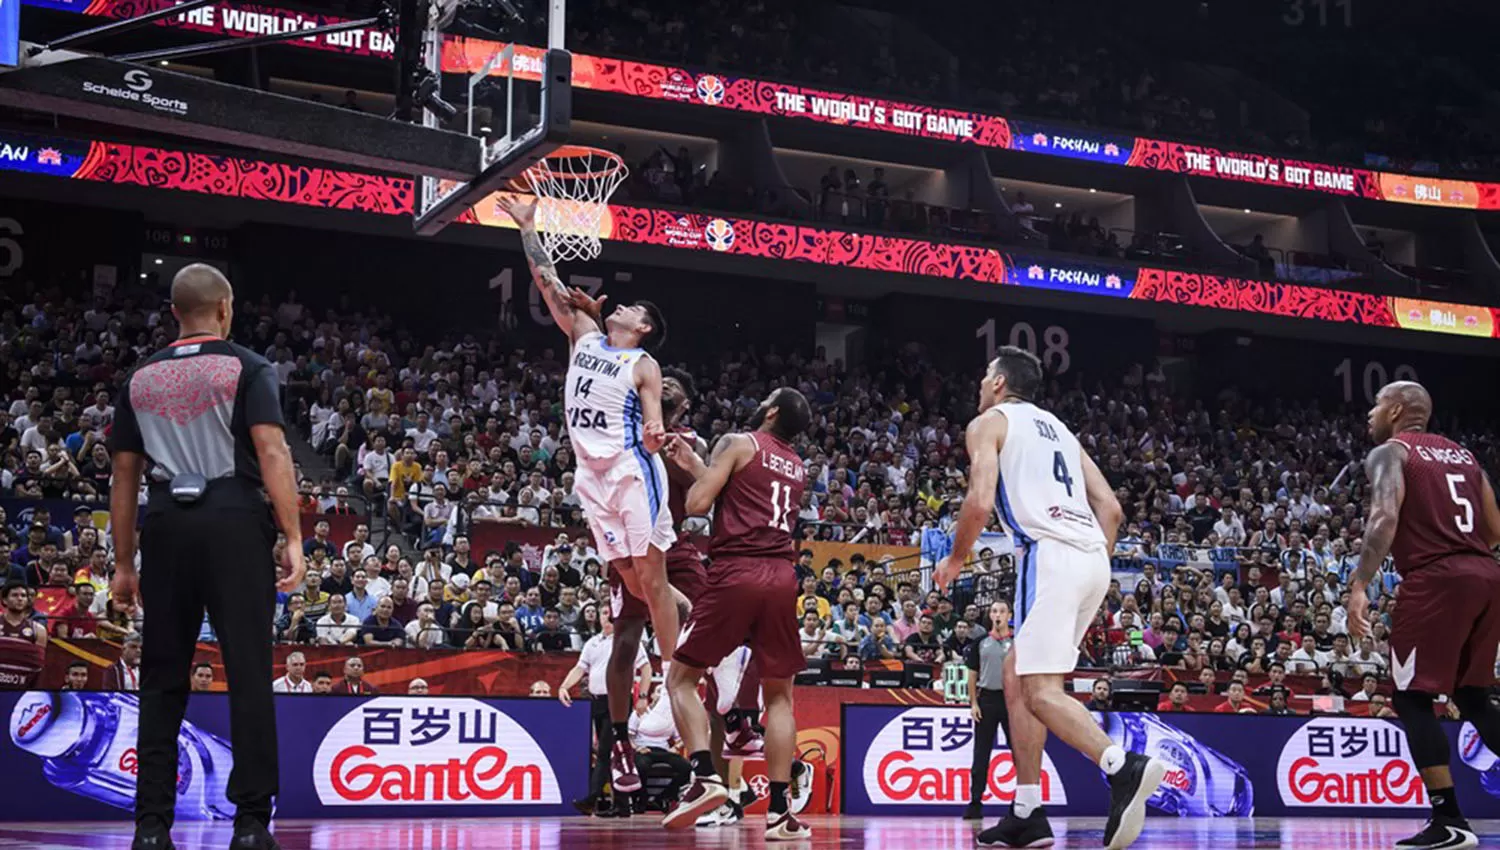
(720, 447)
(1387, 490)
(545, 272)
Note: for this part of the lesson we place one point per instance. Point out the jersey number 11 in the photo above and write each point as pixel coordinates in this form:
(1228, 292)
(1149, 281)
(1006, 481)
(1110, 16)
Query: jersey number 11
(781, 506)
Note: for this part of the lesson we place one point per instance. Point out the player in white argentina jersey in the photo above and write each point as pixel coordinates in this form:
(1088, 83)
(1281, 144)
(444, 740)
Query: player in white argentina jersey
(1064, 518)
(612, 409)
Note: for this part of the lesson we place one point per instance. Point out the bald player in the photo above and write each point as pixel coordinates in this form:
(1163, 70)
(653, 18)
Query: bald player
(1432, 509)
(201, 419)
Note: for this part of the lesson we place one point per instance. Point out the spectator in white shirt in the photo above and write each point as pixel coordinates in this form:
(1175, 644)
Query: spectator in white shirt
(358, 549)
(1128, 605)
(1307, 660)
(1229, 528)
(376, 465)
(100, 414)
(338, 626)
(424, 632)
(1221, 593)
(1366, 659)
(1367, 687)
(1235, 610)
(1340, 658)
(295, 681)
(1285, 591)
(422, 436)
(38, 437)
(436, 515)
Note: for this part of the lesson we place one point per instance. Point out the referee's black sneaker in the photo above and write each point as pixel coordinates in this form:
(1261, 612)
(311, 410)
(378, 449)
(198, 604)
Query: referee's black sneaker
(251, 834)
(152, 834)
(973, 811)
(1442, 833)
(1129, 789)
(1012, 831)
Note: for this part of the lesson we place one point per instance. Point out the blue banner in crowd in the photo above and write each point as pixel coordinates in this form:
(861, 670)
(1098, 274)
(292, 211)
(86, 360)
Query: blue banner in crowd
(71, 756)
(898, 760)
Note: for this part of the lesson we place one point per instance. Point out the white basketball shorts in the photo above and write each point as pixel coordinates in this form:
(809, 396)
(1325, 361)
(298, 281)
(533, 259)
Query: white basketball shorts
(1058, 591)
(625, 504)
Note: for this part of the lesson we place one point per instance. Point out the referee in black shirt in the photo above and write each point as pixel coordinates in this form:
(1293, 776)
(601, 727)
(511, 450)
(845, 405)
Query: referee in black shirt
(202, 420)
(986, 662)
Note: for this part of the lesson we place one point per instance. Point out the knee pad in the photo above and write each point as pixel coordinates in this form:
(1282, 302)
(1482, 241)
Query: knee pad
(1424, 733)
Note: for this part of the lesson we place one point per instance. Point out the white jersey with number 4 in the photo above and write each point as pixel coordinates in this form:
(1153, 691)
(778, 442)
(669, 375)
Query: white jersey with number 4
(600, 404)
(1041, 491)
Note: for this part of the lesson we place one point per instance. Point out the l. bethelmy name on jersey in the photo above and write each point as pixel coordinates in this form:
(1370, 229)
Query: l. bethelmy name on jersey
(1038, 455)
(602, 408)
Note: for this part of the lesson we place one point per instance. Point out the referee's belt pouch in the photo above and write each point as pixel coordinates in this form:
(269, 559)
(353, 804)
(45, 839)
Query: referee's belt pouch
(188, 488)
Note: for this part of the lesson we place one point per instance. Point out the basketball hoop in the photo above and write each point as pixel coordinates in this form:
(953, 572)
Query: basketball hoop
(573, 185)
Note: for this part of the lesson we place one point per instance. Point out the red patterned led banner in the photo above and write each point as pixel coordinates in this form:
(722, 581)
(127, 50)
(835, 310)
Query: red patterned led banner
(867, 112)
(239, 177)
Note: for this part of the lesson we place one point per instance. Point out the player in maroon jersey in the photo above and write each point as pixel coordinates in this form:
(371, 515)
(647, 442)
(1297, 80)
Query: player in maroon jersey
(1432, 509)
(684, 573)
(755, 484)
(15, 615)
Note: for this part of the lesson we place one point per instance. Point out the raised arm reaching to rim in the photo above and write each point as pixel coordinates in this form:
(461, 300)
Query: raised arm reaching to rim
(574, 323)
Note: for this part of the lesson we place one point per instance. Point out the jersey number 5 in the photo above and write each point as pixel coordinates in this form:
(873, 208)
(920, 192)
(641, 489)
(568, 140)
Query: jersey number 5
(781, 506)
(1060, 472)
(1465, 520)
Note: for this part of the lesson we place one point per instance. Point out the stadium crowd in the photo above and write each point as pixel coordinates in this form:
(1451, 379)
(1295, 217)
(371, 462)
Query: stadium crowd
(1243, 516)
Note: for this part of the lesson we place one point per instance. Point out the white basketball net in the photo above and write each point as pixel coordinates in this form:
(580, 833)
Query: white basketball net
(572, 189)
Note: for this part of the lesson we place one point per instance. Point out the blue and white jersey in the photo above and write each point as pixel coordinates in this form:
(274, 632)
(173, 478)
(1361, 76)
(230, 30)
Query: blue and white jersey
(600, 405)
(1041, 489)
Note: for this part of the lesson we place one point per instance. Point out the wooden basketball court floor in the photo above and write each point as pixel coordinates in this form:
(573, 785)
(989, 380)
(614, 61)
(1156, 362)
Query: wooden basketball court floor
(829, 832)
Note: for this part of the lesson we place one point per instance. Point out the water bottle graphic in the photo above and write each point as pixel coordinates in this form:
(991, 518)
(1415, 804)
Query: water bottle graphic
(87, 745)
(1201, 782)
(1475, 754)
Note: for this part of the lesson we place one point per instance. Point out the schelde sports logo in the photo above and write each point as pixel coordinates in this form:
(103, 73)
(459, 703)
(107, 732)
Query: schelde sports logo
(1348, 762)
(720, 234)
(921, 757)
(395, 751)
(710, 89)
(135, 87)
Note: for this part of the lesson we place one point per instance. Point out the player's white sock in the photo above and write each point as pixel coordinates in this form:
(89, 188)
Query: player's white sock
(1028, 800)
(1112, 759)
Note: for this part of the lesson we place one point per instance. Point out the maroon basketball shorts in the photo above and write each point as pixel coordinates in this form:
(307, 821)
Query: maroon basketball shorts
(750, 600)
(1446, 627)
(684, 572)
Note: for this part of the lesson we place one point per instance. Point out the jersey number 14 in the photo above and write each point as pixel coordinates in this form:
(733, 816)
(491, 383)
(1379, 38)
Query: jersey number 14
(584, 417)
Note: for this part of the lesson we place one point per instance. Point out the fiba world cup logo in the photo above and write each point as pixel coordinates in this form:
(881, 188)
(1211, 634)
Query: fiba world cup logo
(710, 89)
(720, 234)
